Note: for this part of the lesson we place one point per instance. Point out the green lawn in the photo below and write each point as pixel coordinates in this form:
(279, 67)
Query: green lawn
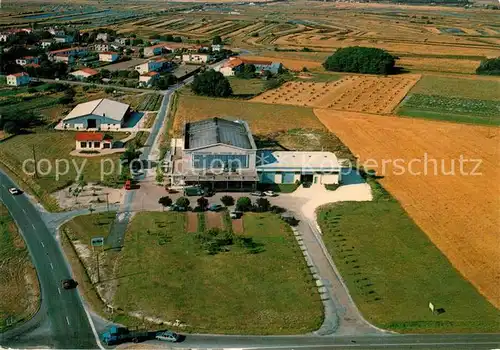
(393, 271)
(165, 273)
(246, 87)
(480, 89)
(18, 299)
(85, 227)
(49, 146)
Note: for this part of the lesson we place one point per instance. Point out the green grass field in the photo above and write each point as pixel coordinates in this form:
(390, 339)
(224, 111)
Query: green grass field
(49, 146)
(393, 271)
(18, 299)
(246, 87)
(454, 109)
(480, 89)
(165, 273)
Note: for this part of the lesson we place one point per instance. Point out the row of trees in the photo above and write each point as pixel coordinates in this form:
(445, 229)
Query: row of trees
(489, 67)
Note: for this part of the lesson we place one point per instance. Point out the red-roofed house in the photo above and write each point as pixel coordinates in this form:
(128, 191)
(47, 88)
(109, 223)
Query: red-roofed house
(230, 68)
(154, 50)
(18, 79)
(108, 56)
(92, 141)
(27, 60)
(72, 51)
(148, 79)
(84, 73)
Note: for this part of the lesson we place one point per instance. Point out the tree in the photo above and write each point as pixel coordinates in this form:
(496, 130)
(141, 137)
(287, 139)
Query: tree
(211, 83)
(165, 201)
(227, 200)
(489, 67)
(109, 90)
(182, 202)
(247, 72)
(202, 203)
(357, 59)
(11, 127)
(130, 154)
(262, 204)
(244, 204)
(217, 40)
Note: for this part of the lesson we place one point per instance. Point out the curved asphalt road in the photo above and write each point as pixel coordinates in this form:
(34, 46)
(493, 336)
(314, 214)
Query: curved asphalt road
(62, 321)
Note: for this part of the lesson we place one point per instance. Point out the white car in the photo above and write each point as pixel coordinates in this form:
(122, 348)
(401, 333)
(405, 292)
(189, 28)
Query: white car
(167, 336)
(14, 191)
(270, 193)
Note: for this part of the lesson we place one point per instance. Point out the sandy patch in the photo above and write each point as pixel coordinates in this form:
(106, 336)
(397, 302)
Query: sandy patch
(90, 195)
(458, 212)
(238, 226)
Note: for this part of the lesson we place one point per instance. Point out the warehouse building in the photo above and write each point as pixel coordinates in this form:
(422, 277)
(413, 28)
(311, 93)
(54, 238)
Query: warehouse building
(221, 154)
(102, 114)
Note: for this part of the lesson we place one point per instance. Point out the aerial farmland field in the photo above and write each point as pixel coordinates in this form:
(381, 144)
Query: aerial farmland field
(458, 212)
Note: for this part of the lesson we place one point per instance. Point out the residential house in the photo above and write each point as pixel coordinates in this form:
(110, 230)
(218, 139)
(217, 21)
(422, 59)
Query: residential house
(108, 56)
(121, 41)
(103, 114)
(64, 39)
(232, 66)
(65, 58)
(153, 50)
(91, 141)
(261, 66)
(102, 36)
(27, 60)
(84, 73)
(101, 47)
(18, 79)
(151, 66)
(73, 51)
(196, 58)
(148, 79)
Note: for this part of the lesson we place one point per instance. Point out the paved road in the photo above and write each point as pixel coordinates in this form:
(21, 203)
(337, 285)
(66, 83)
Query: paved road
(61, 312)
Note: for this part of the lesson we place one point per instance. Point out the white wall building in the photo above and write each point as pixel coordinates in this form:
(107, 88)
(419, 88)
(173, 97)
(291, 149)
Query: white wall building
(197, 58)
(101, 47)
(100, 114)
(102, 36)
(108, 56)
(84, 73)
(150, 66)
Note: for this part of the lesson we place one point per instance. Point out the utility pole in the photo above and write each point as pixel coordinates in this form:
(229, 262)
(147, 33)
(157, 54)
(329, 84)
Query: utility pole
(98, 274)
(34, 159)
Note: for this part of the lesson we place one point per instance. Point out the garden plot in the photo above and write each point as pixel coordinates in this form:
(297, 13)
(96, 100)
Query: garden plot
(352, 93)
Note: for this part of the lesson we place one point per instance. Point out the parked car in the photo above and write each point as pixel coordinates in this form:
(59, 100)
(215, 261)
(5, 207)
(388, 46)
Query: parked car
(175, 207)
(270, 193)
(215, 207)
(69, 283)
(257, 194)
(15, 191)
(235, 214)
(167, 336)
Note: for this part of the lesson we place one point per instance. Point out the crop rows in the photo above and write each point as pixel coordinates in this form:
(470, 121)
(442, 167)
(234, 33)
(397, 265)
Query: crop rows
(453, 104)
(152, 102)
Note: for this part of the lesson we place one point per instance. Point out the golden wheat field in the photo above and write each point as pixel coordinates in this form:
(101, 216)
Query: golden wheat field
(460, 212)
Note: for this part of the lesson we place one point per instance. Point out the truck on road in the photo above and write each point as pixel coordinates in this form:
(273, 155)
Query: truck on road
(117, 335)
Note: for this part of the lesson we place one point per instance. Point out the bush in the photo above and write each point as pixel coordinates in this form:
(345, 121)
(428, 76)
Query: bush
(262, 205)
(227, 200)
(109, 90)
(202, 203)
(244, 204)
(489, 67)
(356, 59)
(11, 128)
(165, 201)
(211, 83)
(182, 202)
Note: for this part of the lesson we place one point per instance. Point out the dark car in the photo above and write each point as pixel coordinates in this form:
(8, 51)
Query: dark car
(69, 283)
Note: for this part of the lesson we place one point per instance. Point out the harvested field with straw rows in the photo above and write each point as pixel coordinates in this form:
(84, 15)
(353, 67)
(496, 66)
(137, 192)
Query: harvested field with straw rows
(353, 93)
(458, 212)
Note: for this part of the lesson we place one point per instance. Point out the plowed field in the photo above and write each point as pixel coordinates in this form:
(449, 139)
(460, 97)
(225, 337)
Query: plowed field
(458, 212)
(353, 93)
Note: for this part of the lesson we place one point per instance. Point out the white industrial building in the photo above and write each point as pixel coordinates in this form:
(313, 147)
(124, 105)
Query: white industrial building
(102, 114)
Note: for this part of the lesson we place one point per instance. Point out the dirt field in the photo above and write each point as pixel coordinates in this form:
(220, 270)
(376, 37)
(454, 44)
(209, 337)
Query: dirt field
(214, 220)
(353, 93)
(439, 64)
(192, 222)
(458, 212)
(238, 225)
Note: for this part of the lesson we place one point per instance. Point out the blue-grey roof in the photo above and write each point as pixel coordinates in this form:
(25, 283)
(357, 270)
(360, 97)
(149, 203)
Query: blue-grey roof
(216, 131)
